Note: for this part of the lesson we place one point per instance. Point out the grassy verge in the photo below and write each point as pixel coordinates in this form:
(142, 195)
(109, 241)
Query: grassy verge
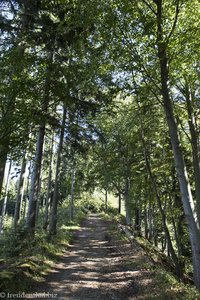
(24, 261)
(162, 284)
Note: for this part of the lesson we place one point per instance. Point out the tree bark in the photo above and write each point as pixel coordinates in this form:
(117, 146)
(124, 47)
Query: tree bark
(3, 158)
(72, 193)
(27, 191)
(49, 188)
(127, 200)
(32, 210)
(53, 219)
(195, 150)
(163, 216)
(5, 199)
(19, 192)
(119, 203)
(6, 128)
(106, 199)
(158, 199)
(185, 189)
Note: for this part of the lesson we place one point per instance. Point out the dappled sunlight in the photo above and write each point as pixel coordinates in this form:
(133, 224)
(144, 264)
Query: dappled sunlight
(99, 266)
(92, 266)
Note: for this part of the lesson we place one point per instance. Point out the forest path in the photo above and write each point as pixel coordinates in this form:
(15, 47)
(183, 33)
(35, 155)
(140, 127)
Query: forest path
(98, 266)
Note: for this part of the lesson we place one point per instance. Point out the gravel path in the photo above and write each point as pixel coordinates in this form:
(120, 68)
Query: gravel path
(95, 267)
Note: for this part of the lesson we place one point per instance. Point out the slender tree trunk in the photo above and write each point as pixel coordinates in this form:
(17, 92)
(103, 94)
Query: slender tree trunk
(127, 201)
(159, 202)
(154, 227)
(3, 158)
(146, 229)
(5, 199)
(72, 193)
(150, 223)
(175, 203)
(195, 150)
(106, 199)
(19, 192)
(53, 219)
(6, 128)
(119, 203)
(32, 209)
(27, 190)
(22, 196)
(138, 220)
(185, 189)
(38, 197)
(164, 223)
(49, 188)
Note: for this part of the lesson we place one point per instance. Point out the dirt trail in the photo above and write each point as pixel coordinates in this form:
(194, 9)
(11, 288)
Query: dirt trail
(95, 267)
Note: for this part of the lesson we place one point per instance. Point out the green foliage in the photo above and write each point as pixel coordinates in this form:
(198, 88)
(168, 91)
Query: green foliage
(161, 282)
(24, 261)
(105, 70)
(89, 203)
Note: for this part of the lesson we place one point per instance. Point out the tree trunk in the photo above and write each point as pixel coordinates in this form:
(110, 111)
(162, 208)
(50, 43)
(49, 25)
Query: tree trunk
(119, 203)
(163, 216)
(5, 199)
(195, 152)
(53, 219)
(158, 199)
(154, 227)
(39, 197)
(106, 199)
(27, 191)
(185, 189)
(150, 218)
(146, 229)
(127, 200)
(3, 158)
(19, 192)
(32, 210)
(137, 220)
(49, 188)
(72, 193)
(6, 127)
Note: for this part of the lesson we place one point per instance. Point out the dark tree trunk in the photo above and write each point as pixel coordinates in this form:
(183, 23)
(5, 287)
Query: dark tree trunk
(119, 203)
(32, 210)
(3, 158)
(49, 189)
(53, 219)
(19, 192)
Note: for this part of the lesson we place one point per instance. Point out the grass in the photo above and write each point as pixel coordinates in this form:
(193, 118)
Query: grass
(25, 261)
(163, 284)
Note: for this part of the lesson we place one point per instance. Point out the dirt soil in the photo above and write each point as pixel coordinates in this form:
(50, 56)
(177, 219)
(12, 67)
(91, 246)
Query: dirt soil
(101, 266)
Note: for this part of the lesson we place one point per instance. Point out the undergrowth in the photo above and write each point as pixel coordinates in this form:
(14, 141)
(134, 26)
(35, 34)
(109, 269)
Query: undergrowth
(24, 261)
(162, 283)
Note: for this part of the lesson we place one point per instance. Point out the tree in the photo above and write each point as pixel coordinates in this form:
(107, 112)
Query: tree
(53, 220)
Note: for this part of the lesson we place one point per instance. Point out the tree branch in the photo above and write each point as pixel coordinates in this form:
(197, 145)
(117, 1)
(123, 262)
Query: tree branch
(175, 21)
(182, 127)
(150, 7)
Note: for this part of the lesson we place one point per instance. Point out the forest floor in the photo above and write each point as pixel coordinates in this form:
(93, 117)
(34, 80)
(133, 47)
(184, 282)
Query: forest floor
(102, 265)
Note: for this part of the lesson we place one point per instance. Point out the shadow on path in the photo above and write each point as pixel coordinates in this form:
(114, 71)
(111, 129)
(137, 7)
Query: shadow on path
(93, 268)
